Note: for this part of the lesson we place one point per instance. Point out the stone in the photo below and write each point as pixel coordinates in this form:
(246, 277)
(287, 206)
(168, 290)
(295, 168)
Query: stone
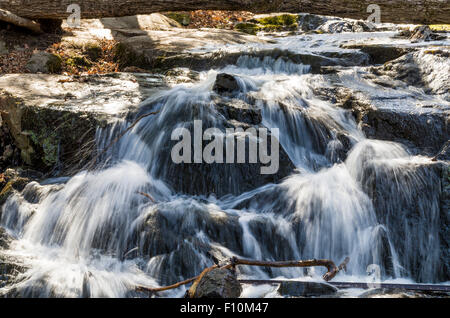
(310, 22)
(218, 283)
(426, 69)
(49, 127)
(423, 33)
(225, 84)
(444, 153)
(306, 289)
(43, 62)
(3, 49)
(15, 180)
(379, 53)
(339, 26)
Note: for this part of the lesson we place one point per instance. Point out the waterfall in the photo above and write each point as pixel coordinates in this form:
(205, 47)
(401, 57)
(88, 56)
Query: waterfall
(95, 235)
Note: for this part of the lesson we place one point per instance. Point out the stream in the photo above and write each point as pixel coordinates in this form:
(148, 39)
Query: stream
(336, 192)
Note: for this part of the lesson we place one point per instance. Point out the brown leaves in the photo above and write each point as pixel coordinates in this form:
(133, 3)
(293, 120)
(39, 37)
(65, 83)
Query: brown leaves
(217, 19)
(93, 58)
(15, 61)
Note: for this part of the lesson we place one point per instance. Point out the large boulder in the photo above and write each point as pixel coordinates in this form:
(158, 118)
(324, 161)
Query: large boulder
(225, 84)
(43, 62)
(53, 119)
(217, 283)
(426, 68)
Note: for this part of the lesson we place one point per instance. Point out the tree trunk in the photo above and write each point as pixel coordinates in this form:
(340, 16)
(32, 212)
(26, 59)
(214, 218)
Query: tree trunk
(394, 11)
(19, 21)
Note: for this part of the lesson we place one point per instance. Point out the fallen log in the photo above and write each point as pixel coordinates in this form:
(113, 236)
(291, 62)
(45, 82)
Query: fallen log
(332, 270)
(10, 17)
(398, 11)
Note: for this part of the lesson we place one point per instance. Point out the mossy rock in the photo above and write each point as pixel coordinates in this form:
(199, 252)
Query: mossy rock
(93, 51)
(43, 62)
(17, 184)
(182, 18)
(247, 27)
(440, 27)
(78, 61)
(284, 22)
(279, 28)
(54, 64)
(279, 20)
(57, 137)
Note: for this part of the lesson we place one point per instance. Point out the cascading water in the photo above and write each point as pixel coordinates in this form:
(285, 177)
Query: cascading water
(95, 235)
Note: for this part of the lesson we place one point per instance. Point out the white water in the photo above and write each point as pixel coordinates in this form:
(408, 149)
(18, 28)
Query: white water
(96, 236)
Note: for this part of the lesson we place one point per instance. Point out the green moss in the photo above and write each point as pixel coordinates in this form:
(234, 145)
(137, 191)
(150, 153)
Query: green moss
(249, 28)
(284, 22)
(440, 27)
(279, 20)
(78, 61)
(275, 27)
(54, 64)
(16, 183)
(93, 51)
(48, 140)
(182, 18)
(5, 193)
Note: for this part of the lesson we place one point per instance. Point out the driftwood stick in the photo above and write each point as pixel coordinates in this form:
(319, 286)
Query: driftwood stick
(333, 270)
(94, 160)
(160, 289)
(10, 17)
(148, 196)
(179, 284)
(331, 274)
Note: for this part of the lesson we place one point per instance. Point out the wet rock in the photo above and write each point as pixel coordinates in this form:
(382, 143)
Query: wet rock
(10, 268)
(15, 180)
(407, 128)
(11, 154)
(414, 188)
(423, 33)
(339, 26)
(174, 48)
(390, 293)
(5, 239)
(428, 69)
(444, 233)
(225, 84)
(247, 27)
(43, 62)
(53, 129)
(379, 53)
(218, 283)
(388, 118)
(306, 289)
(444, 153)
(310, 22)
